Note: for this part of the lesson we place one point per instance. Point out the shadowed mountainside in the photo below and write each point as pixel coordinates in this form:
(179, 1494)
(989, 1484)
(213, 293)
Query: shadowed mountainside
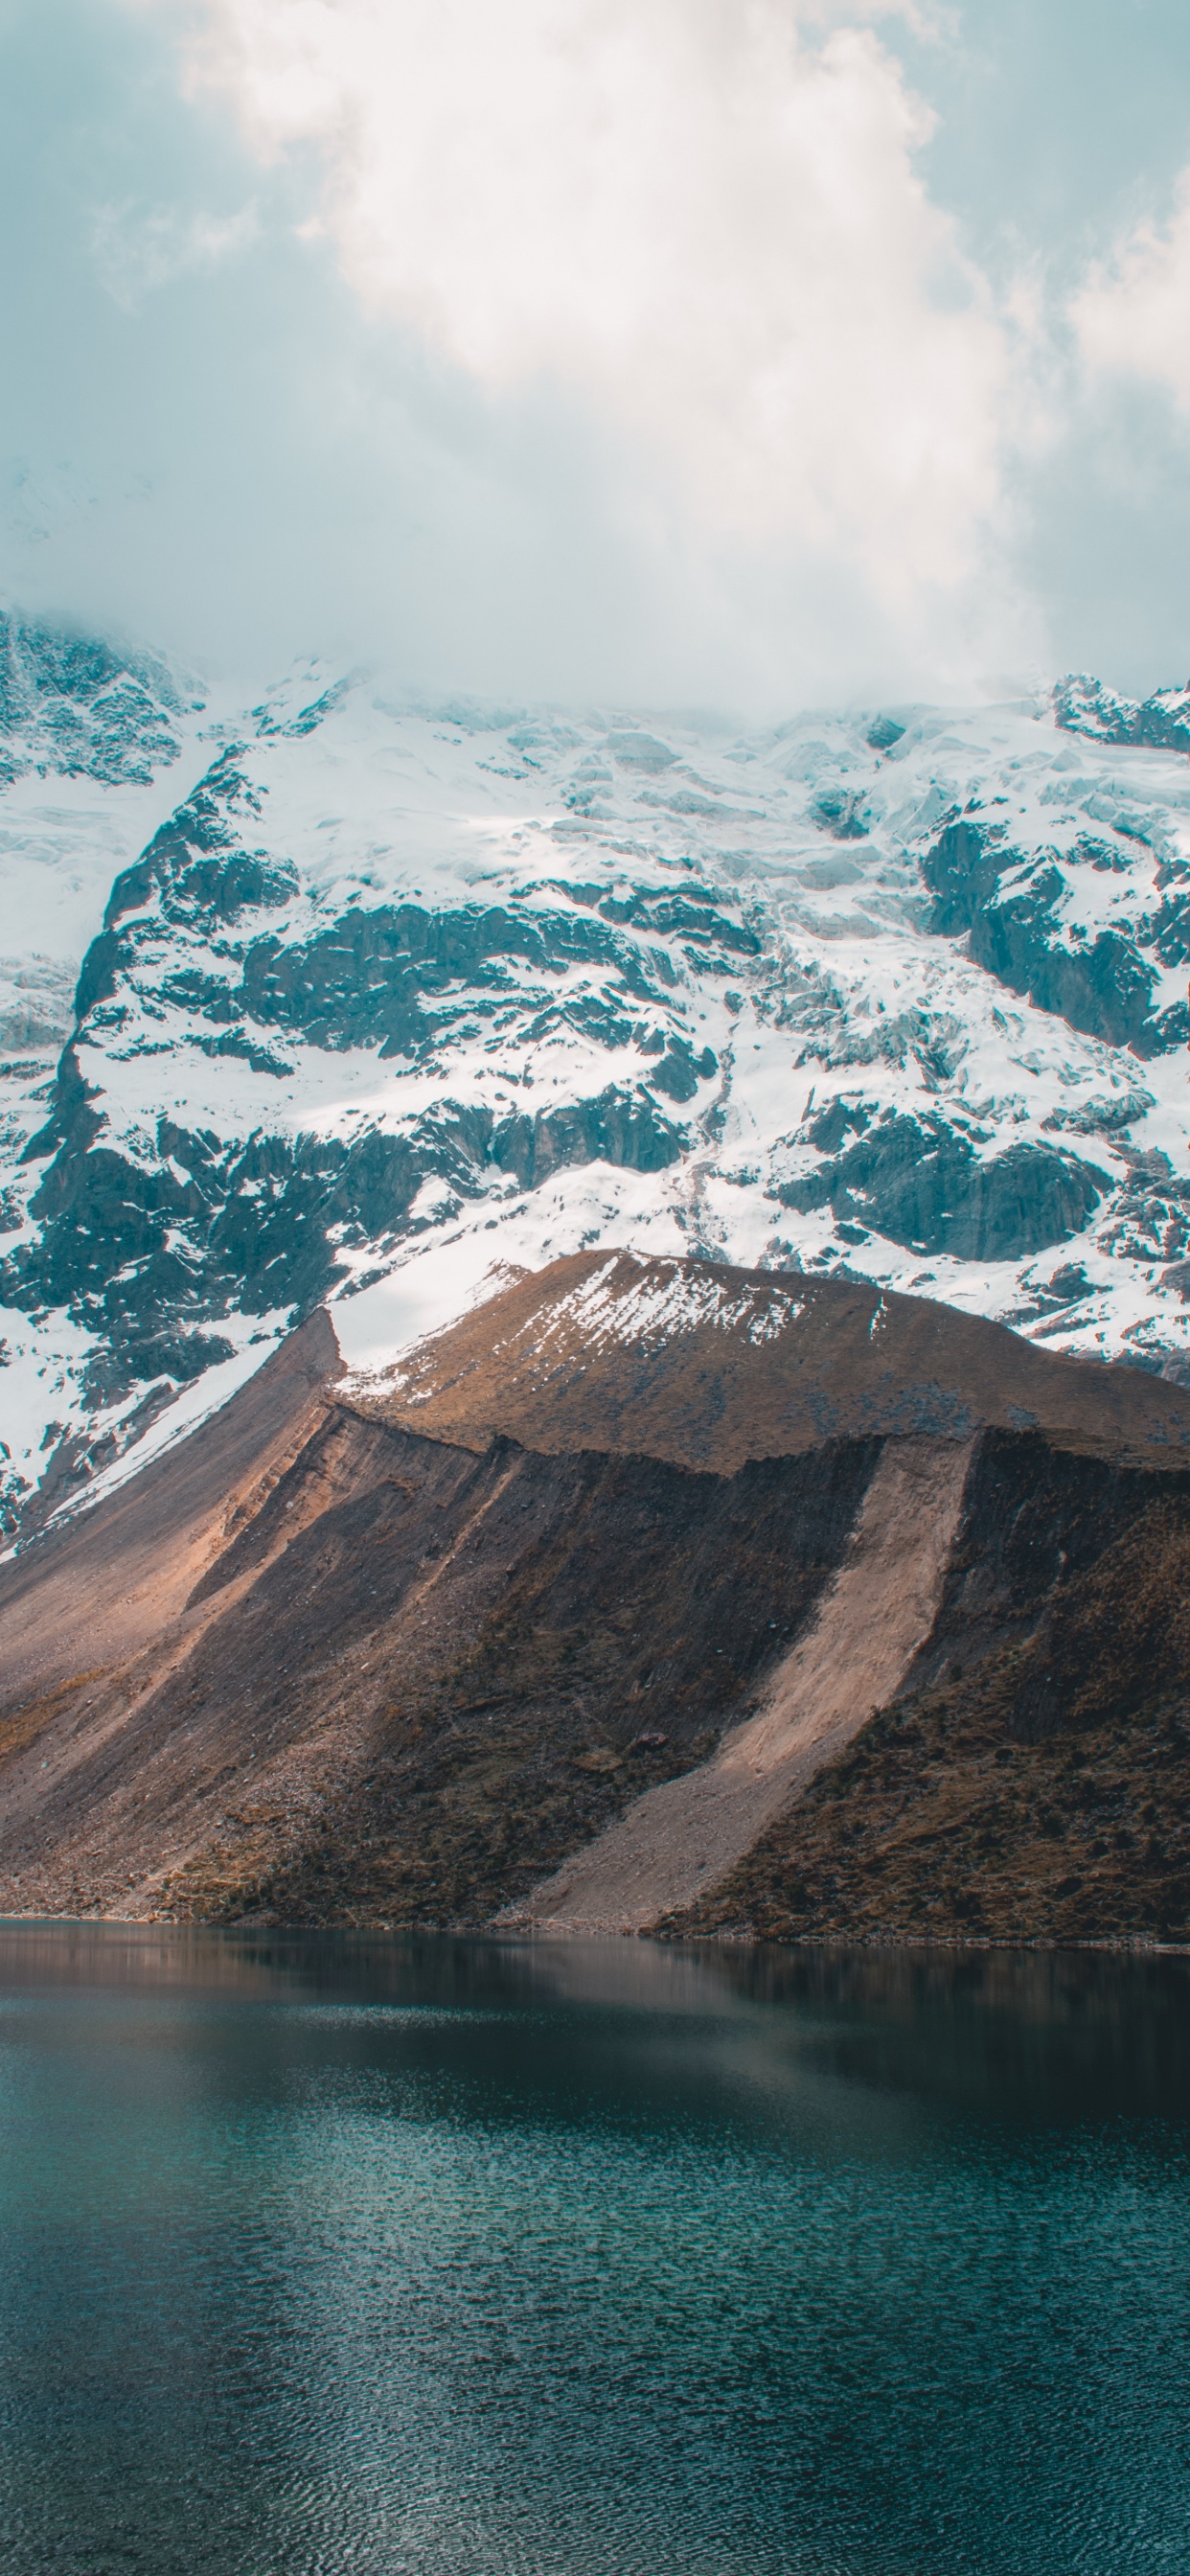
(1043, 1797)
(418, 1677)
(399, 1654)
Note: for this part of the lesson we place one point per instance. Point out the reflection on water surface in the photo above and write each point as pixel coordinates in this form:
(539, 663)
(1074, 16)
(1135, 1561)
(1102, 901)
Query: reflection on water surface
(338, 2252)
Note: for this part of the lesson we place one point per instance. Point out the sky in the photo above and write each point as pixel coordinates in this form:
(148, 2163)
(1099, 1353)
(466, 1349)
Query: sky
(752, 354)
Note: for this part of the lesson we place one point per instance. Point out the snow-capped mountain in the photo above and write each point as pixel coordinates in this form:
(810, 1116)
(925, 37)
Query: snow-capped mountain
(375, 996)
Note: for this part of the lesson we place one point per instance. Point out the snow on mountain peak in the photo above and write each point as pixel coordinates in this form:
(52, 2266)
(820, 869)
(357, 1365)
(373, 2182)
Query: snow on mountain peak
(73, 705)
(376, 993)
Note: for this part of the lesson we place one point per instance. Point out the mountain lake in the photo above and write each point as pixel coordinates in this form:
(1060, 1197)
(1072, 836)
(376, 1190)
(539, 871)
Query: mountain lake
(350, 2254)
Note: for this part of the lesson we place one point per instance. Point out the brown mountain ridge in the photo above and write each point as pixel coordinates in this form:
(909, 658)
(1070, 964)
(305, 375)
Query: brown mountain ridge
(709, 1366)
(653, 1593)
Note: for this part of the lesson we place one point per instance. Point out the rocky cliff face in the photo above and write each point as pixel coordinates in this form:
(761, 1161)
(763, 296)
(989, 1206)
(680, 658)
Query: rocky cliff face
(1043, 1795)
(414, 1680)
(76, 706)
(332, 1663)
(335, 996)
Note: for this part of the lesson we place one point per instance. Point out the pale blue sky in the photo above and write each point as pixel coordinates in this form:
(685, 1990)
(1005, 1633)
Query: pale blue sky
(1058, 118)
(223, 434)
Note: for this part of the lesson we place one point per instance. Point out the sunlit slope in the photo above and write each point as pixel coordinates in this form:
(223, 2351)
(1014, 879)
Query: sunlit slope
(710, 1366)
(331, 1662)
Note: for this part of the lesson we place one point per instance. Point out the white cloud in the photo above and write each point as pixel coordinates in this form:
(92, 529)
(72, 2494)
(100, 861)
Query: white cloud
(1132, 317)
(704, 222)
(137, 248)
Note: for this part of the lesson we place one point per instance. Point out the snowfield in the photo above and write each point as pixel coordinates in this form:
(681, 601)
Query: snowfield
(349, 997)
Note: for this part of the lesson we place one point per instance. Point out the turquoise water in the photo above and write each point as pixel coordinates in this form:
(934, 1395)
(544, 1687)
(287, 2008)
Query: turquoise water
(337, 2254)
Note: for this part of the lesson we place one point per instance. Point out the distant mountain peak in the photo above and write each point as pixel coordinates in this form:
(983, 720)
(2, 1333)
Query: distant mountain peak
(1159, 723)
(73, 704)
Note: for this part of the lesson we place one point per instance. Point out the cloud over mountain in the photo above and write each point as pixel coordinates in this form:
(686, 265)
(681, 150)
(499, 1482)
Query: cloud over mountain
(706, 231)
